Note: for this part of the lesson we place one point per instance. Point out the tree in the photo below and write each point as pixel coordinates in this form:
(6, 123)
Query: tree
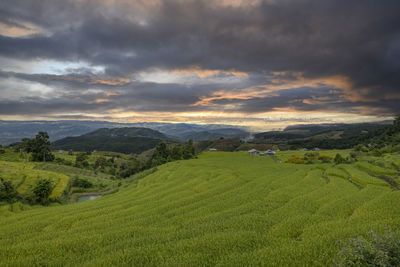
(176, 153)
(339, 159)
(42, 190)
(160, 155)
(101, 162)
(188, 150)
(81, 160)
(7, 191)
(40, 147)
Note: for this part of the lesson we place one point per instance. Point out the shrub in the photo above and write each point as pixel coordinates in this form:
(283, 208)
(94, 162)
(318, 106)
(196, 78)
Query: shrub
(325, 158)
(81, 160)
(42, 190)
(295, 160)
(80, 182)
(374, 250)
(7, 191)
(311, 155)
(339, 159)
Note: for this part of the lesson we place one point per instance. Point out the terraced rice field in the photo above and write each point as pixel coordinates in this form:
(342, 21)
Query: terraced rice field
(222, 209)
(24, 176)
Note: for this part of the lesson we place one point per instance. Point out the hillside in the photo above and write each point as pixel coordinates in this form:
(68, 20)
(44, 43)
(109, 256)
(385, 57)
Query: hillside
(123, 140)
(322, 131)
(326, 136)
(222, 209)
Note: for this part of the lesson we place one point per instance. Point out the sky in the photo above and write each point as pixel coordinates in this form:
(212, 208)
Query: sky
(262, 64)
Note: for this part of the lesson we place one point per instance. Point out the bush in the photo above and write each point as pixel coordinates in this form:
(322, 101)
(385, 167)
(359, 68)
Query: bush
(7, 191)
(79, 182)
(295, 160)
(311, 155)
(339, 159)
(325, 158)
(42, 190)
(81, 160)
(374, 250)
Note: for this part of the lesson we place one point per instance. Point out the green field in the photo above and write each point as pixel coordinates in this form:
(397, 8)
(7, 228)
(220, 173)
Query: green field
(222, 209)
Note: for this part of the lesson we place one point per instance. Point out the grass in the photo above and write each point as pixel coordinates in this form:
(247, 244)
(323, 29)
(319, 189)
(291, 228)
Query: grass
(222, 209)
(374, 169)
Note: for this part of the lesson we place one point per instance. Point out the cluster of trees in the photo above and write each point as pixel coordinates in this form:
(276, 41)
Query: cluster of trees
(164, 154)
(39, 194)
(39, 148)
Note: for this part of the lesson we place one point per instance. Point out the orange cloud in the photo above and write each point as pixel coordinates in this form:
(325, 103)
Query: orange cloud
(340, 84)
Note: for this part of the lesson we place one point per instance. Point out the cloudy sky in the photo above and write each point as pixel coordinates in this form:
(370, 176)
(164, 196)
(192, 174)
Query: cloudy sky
(264, 64)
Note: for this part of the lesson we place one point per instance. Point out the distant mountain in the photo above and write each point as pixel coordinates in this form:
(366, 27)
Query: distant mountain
(14, 131)
(186, 131)
(322, 131)
(230, 133)
(127, 132)
(124, 140)
(326, 136)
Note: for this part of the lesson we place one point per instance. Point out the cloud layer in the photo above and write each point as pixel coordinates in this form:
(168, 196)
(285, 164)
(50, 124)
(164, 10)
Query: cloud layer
(104, 59)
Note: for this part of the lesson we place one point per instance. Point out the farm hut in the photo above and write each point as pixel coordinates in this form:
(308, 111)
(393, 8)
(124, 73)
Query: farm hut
(254, 152)
(268, 153)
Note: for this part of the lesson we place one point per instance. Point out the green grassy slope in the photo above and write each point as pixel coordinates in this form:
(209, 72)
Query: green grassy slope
(223, 209)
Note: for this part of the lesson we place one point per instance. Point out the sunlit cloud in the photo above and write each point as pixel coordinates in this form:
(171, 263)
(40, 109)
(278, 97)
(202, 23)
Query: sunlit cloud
(262, 63)
(20, 30)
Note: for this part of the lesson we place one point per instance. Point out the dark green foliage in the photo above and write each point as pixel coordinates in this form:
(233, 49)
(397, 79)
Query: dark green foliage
(63, 161)
(42, 190)
(177, 153)
(81, 160)
(361, 148)
(101, 163)
(39, 147)
(7, 191)
(325, 159)
(161, 155)
(129, 168)
(375, 250)
(339, 159)
(80, 182)
(2, 150)
(164, 154)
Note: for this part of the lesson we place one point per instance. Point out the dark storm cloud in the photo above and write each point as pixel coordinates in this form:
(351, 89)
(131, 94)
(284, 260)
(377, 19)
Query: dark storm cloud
(358, 39)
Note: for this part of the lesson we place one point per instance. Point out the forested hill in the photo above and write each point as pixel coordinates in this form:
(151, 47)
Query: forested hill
(323, 130)
(123, 140)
